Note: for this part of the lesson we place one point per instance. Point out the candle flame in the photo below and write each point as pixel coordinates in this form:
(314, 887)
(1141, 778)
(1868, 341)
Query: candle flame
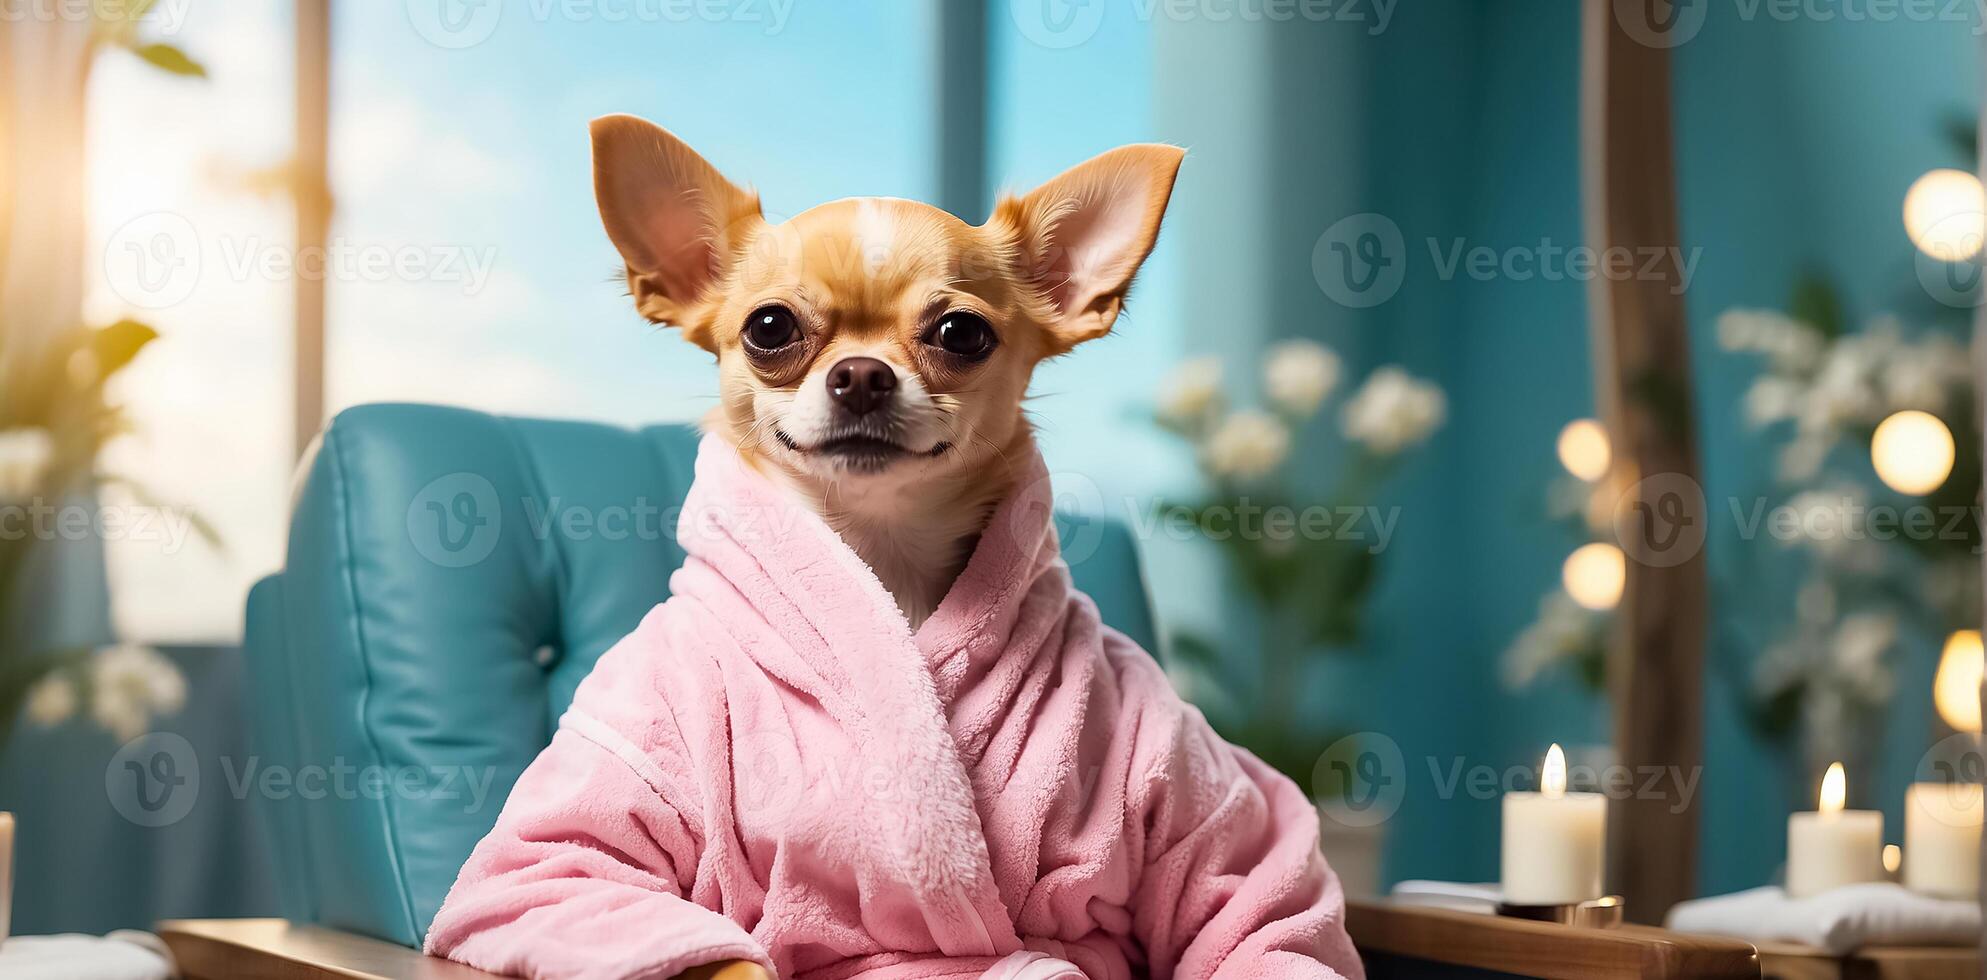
(1956, 689)
(1834, 789)
(1552, 780)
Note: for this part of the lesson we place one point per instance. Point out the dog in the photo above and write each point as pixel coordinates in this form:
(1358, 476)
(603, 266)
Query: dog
(892, 741)
(874, 353)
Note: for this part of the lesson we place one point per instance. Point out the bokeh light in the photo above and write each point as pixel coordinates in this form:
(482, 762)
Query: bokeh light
(1956, 687)
(1943, 214)
(1912, 452)
(1594, 575)
(1584, 449)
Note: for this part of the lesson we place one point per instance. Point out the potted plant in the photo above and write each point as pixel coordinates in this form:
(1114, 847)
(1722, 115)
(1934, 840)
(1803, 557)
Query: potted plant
(1301, 564)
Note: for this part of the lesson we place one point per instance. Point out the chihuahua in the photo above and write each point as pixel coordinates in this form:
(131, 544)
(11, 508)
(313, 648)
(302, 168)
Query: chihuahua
(874, 353)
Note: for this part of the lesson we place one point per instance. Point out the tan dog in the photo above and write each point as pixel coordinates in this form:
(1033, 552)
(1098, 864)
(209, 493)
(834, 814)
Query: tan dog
(873, 352)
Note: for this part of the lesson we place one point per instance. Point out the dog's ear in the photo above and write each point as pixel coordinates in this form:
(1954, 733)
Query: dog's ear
(1083, 235)
(676, 221)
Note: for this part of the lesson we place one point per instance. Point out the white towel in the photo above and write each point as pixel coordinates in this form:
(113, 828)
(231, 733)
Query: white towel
(1461, 896)
(1840, 921)
(122, 955)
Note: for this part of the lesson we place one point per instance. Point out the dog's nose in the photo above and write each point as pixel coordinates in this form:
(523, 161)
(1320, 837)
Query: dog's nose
(861, 384)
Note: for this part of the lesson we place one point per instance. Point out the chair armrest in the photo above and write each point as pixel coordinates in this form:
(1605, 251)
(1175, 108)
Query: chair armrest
(1542, 949)
(272, 949)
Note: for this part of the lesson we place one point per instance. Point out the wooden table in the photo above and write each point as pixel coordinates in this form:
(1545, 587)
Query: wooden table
(1781, 961)
(1388, 936)
(1396, 940)
(1417, 941)
(271, 949)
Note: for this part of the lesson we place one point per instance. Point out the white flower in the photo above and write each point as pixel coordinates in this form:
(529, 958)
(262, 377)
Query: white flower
(1801, 459)
(1844, 388)
(1833, 521)
(130, 685)
(1771, 399)
(24, 458)
(52, 700)
(118, 714)
(1921, 376)
(1815, 602)
(1739, 329)
(1953, 584)
(1193, 390)
(1860, 644)
(1298, 375)
(1789, 345)
(1563, 628)
(1393, 411)
(1247, 445)
(1781, 667)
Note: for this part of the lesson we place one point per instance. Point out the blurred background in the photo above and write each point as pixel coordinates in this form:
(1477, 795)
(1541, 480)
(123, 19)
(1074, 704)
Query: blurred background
(223, 222)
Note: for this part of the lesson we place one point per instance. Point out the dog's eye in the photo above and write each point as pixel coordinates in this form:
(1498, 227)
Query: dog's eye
(964, 334)
(770, 328)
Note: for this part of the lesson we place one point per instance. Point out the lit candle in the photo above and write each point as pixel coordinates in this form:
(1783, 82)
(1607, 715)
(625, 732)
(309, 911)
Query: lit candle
(1832, 847)
(1554, 841)
(1942, 839)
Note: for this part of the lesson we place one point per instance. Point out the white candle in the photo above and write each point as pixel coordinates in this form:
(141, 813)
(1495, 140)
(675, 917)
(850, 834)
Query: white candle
(1832, 847)
(1554, 841)
(1942, 839)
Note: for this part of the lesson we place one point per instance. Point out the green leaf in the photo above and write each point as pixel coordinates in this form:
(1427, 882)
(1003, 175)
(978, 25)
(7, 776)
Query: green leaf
(196, 520)
(1816, 304)
(1776, 716)
(171, 59)
(1197, 652)
(1665, 395)
(115, 346)
(1337, 578)
(1194, 649)
(1963, 133)
(1591, 666)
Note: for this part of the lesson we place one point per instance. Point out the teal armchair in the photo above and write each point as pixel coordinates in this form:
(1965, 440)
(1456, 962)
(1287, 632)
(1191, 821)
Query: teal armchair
(451, 576)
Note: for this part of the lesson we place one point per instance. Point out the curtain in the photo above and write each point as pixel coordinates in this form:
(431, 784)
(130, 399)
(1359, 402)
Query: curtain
(44, 77)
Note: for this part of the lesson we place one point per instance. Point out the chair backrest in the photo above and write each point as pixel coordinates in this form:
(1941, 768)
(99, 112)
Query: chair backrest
(451, 577)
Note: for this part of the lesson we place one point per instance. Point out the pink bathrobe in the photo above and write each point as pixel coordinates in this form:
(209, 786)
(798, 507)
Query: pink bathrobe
(774, 767)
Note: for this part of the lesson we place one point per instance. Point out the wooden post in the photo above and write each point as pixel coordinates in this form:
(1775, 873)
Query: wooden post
(313, 200)
(1641, 350)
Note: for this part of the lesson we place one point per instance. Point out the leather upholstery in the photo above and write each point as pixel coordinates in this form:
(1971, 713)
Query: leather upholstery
(451, 577)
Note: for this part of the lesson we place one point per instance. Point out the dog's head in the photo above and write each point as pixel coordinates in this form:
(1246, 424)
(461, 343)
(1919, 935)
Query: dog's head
(874, 339)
